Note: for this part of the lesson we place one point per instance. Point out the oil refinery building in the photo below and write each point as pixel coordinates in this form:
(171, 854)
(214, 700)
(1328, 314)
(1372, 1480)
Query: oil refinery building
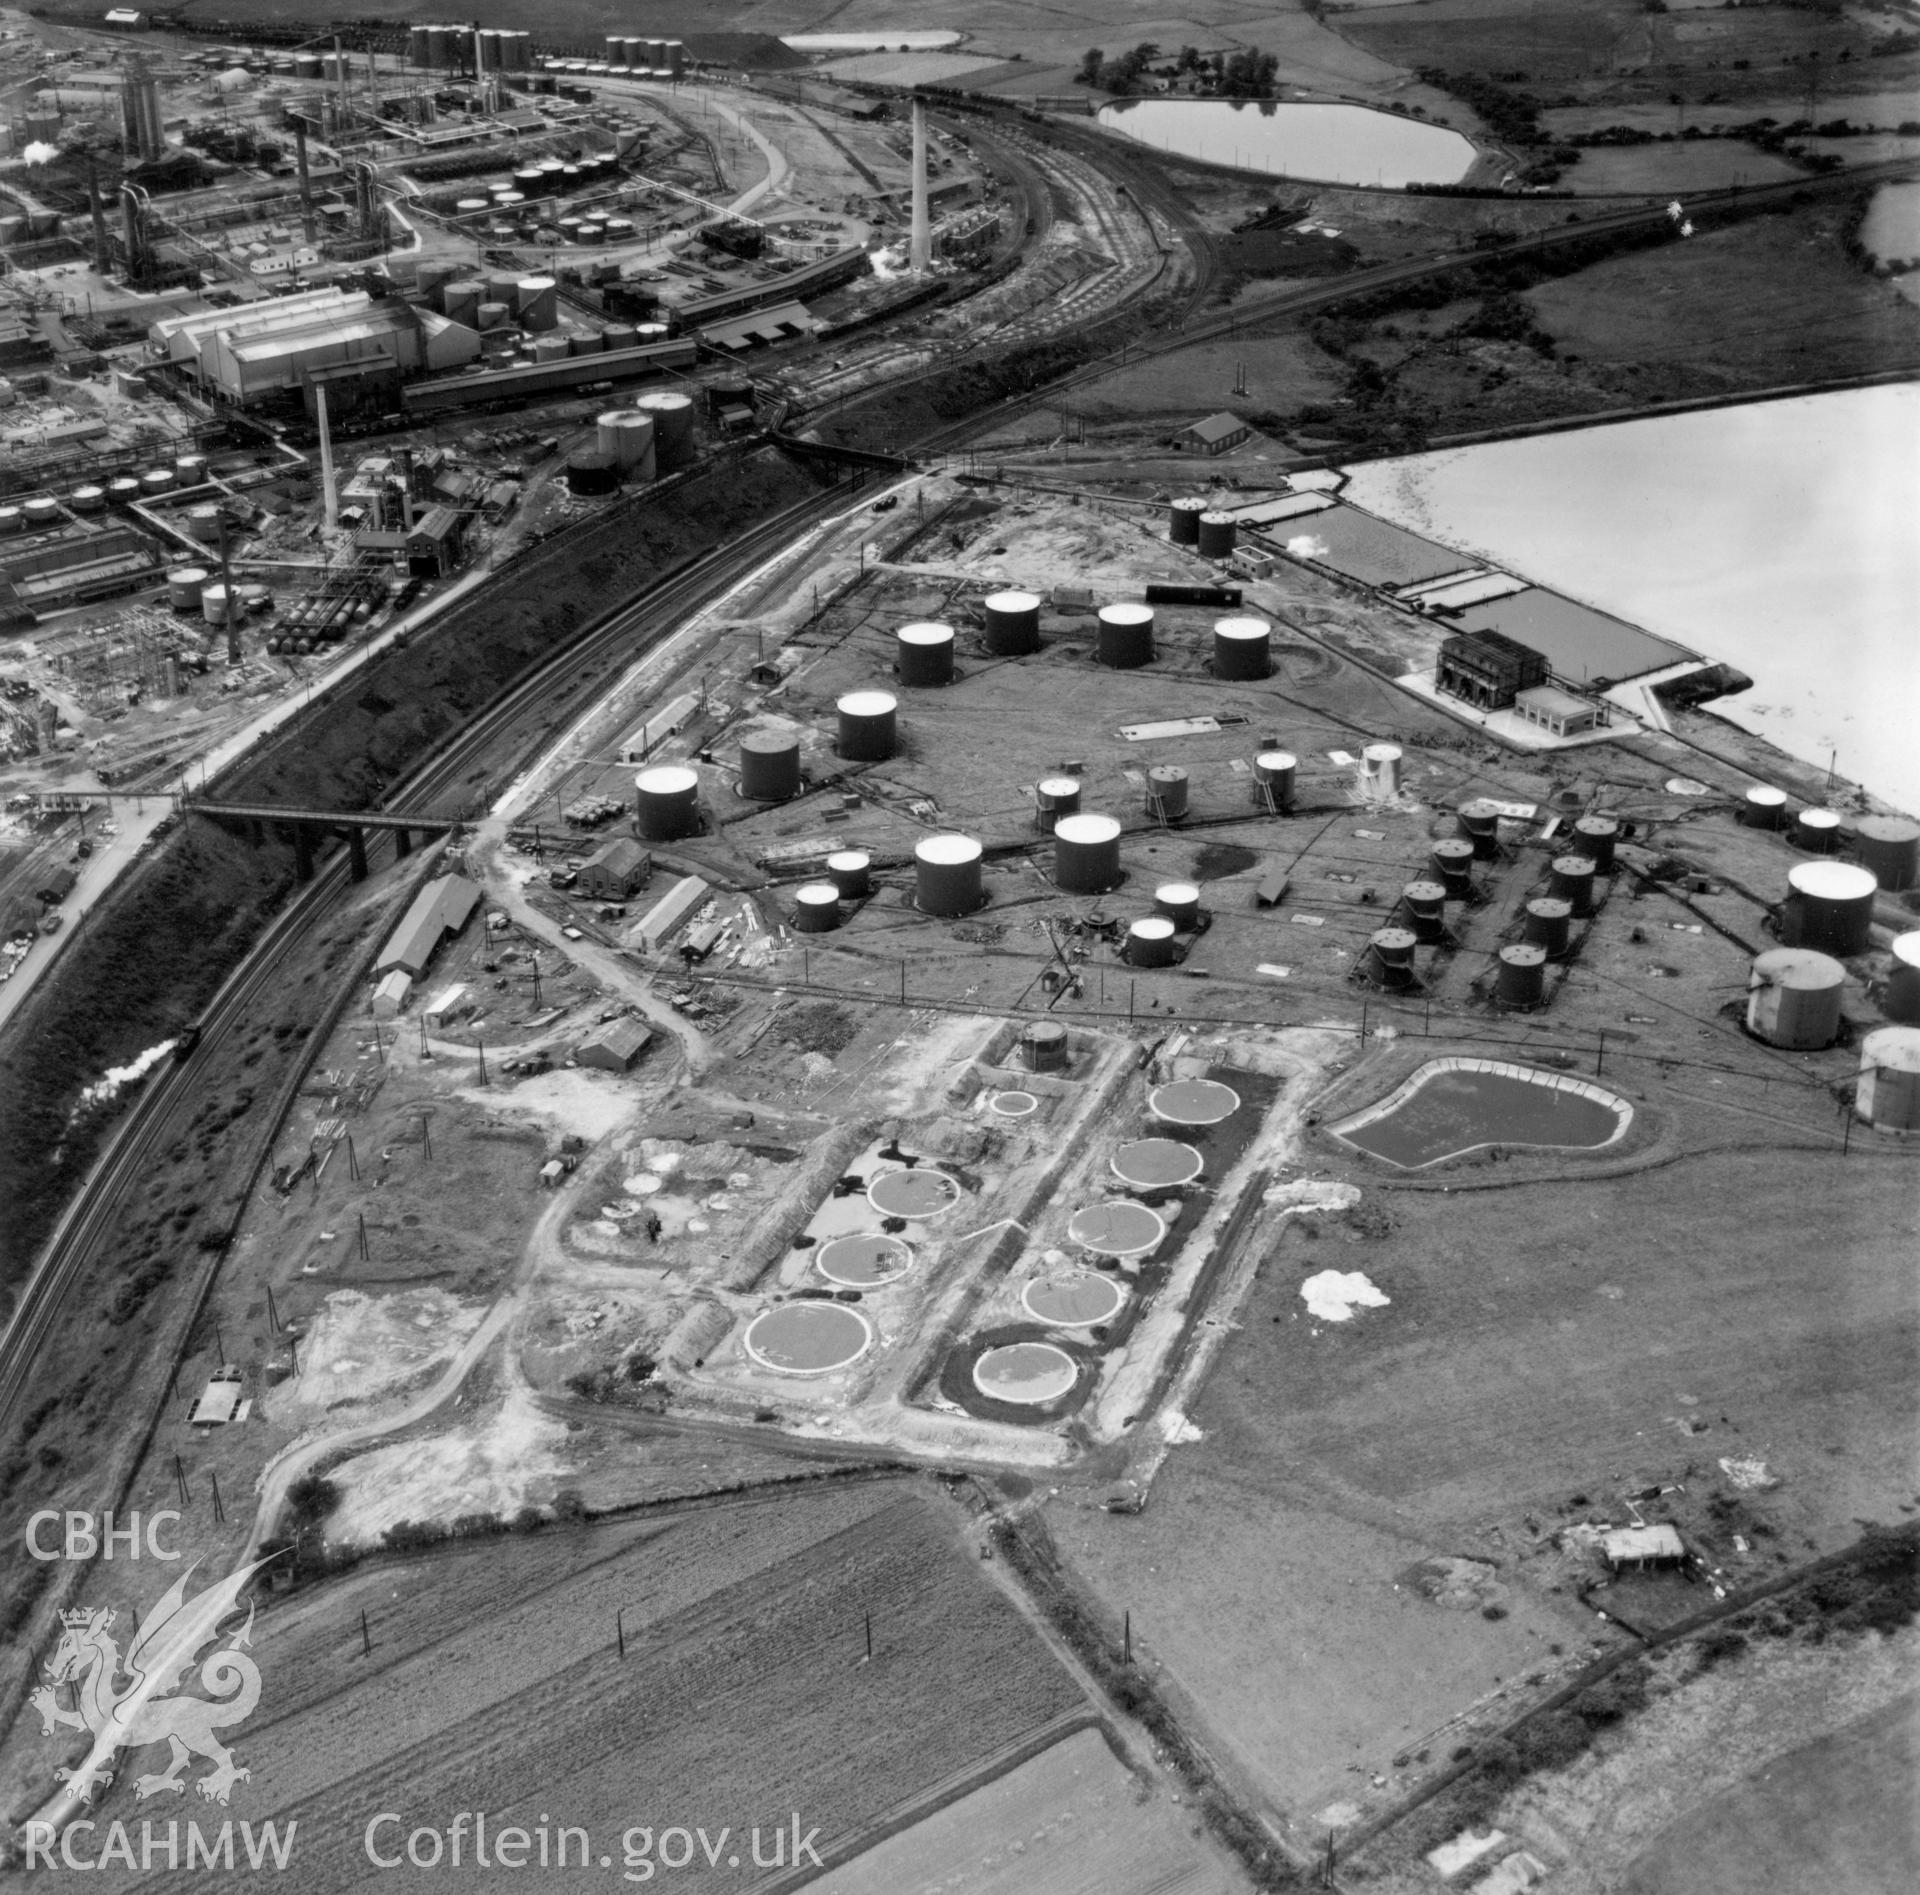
(276, 347)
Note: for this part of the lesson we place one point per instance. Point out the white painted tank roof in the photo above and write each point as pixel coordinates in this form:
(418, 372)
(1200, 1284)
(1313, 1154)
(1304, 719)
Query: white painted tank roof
(1892, 1048)
(947, 851)
(668, 779)
(1802, 969)
(1832, 881)
(1152, 928)
(869, 703)
(1127, 613)
(928, 632)
(1241, 628)
(1013, 601)
(1086, 829)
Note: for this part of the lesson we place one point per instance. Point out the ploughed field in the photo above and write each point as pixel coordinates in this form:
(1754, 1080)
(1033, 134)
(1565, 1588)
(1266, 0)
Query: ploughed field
(496, 1685)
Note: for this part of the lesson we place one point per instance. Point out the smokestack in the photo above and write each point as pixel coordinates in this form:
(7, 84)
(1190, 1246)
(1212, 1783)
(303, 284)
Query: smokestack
(306, 181)
(920, 245)
(479, 64)
(342, 66)
(329, 493)
(102, 250)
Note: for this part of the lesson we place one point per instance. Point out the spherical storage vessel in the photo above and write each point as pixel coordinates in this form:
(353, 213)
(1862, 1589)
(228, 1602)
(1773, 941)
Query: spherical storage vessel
(1793, 998)
(1829, 907)
(1086, 854)
(1219, 533)
(1521, 980)
(666, 802)
(1183, 521)
(1150, 942)
(1888, 847)
(769, 766)
(1888, 1093)
(947, 876)
(868, 729)
(1013, 623)
(1124, 640)
(816, 908)
(1242, 649)
(923, 654)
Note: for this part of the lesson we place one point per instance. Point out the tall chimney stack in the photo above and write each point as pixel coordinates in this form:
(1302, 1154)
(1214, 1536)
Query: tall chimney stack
(920, 245)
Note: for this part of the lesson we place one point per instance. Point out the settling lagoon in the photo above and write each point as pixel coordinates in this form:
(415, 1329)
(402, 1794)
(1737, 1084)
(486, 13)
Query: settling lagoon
(1778, 537)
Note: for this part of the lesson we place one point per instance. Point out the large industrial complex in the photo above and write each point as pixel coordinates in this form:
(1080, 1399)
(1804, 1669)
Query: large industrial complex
(846, 1043)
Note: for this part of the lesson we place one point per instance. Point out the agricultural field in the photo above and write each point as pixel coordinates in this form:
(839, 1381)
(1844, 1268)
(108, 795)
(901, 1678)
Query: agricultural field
(1701, 164)
(498, 1668)
(1546, 1347)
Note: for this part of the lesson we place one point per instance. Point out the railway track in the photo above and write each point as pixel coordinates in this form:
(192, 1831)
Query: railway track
(162, 1108)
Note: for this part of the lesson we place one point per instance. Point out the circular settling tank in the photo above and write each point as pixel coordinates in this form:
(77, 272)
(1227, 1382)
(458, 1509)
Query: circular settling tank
(1014, 1105)
(1148, 1163)
(808, 1338)
(1026, 1372)
(1194, 1102)
(863, 1261)
(1073, 1302)
(915, 1193)
(1118, 1228)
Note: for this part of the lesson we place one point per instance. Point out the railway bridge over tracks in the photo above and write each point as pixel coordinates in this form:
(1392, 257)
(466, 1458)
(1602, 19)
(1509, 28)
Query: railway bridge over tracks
(302, 827)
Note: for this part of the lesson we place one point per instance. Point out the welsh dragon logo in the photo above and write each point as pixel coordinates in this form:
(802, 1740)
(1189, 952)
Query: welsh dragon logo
(132, 1715)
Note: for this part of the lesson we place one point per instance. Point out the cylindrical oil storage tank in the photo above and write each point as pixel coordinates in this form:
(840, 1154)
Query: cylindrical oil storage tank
(1150, 942)
(569, 228)
(1888, 1095)
(666, 802)
(1380, 765)
(470, 206)
(203, 524)
(1793, 998)
(1900, 998)
(619, 229)
(1888, 846)
(627, 435)
(216, 605)
(1546, 924)
(1242, 649)
(1572, 881)
(494, 316)
(868, 726)
(1425, 903)
(1166, 792)
(1124, 640)
(1273, 773)
(1179, 902)
(43, 509)
(1393, 950)
(923, 654)
(648, 333)
(1219, 534)
(88, 499)
(1453, 863)
(184, 587)
(769, 766)
(442, 45)
(1817, 831)
(1053, 798)
(463, 299)
(1829, 907)
(554, 348)
(1183, 521)
(530, 180)
(1596, 836)
(590, 473)
(1522, 977)
(501, 287)
(591, 231)
(1086, 854)
(122, 492)
(537, 298)
(1013, 623)
(190, 469)
(1479, 822)
(851, 872)
(620, 335)
(816, 908)
(947, 876)
(417, 46)
(672, 427)
(160, 480)
(12, 520)
(1043, 1046)
(432, 280)
(658, 55)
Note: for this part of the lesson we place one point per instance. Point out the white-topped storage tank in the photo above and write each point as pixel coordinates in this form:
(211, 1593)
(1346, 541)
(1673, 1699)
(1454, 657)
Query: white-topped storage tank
(1013, 623)
(1887, 1094)
(1829, 906)
(1086, 854)
(947, 878)
(1793, 998)
(673, 442)
(666, 802)
(869, 729)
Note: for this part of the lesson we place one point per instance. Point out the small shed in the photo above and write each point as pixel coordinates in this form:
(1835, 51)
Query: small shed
(444, 1007)
(1643, 1548)
(1217, 434)
(614, 1046)
(615, 870)
(673, 908)
(391, 993)
(1559, 712)
(219, 1401)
